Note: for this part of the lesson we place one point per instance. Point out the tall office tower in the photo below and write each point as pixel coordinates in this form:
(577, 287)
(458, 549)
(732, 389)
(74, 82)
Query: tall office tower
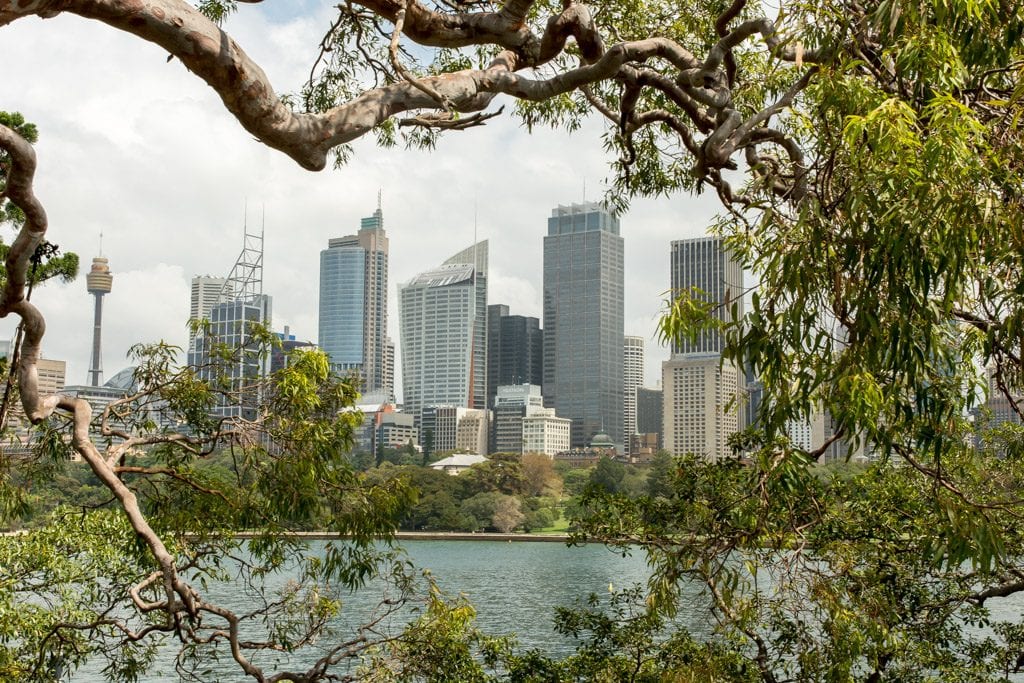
(515, 350)
(443, 319)
(705, 264)
(98, 282)
(583, 320)
(702, 394)
(240, 305)
(354, 302)
(632, 379)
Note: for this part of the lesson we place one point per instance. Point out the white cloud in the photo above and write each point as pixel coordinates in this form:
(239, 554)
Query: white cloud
(143, 150)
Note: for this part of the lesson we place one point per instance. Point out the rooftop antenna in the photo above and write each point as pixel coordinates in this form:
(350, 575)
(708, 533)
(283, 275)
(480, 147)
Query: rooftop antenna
(379, 191)
(584, 190)
(101, 241)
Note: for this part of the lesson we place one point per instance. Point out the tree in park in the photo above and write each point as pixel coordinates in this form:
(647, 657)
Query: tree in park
(868, 160)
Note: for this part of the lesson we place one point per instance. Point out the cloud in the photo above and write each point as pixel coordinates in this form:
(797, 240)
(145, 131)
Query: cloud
(140, 149)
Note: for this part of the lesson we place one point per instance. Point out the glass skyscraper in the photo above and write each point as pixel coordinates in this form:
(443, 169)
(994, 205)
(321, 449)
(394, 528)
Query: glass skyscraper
(583, 320)
(515, 350)
(353, 303)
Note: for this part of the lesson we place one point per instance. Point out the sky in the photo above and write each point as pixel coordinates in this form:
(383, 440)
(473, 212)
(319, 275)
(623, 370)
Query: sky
(135, 147)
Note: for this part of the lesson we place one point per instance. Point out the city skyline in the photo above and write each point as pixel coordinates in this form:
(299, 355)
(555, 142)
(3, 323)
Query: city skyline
(147, 121)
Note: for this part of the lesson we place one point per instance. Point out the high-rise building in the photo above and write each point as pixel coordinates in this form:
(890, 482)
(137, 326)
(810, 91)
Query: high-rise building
(632, 379)
(702, 394)
(649, 414)
(443, 319)
(206, 292)
(515, 350)
(241, 305)
(583, 320)
(354, 302)
(98, 282)
(701, 405)
(706, 265)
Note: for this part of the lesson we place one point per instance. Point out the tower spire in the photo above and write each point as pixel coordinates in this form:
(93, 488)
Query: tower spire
(98, 282)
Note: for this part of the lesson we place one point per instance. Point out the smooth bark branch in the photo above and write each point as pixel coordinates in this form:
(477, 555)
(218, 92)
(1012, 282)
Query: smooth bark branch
(308, 138)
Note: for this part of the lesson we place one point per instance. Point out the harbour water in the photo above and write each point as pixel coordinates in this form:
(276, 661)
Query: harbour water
(514, 587)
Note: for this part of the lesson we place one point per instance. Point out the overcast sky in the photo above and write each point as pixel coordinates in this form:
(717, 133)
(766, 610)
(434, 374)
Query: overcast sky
(136, 147)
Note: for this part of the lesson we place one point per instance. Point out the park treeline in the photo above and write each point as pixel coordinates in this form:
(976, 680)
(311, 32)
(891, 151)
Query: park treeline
(508, 492)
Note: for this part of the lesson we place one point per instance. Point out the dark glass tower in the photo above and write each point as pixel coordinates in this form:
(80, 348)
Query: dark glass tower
(583, 320)
(515, 350)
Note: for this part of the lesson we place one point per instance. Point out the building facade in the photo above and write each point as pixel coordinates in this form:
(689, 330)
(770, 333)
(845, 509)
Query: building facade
(515, 350)
(703, 401)
(354, 303)
(649, 414)
(701, 405)
(511, 405)
(706, 268)
(583, 320)
(545, 432)
(443, 326)
(632, 379)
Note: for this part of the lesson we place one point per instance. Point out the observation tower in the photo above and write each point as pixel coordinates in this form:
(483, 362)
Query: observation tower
(98, 282)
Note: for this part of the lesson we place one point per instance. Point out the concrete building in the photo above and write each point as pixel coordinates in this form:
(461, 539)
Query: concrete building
(545, 432)
(52, 375)
(397, 430)
(583, 320)
(353, 325)
(511, 405)
(632, 379)
(515, 350)
(443, 324)
(98, 282)
(703, 395)
(701, 405)
(455, 428)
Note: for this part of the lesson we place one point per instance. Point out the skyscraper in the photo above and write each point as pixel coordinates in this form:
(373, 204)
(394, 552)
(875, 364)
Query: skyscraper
(443, 326)
(583, 320)
(702, 393)
(354, 303)
(241, 305)
(515, 350)
(98, 282)
(706, 265)
(632, 379)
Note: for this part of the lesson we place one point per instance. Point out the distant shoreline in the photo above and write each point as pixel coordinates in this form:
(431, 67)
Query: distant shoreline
(437, 536)
(407, 536)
